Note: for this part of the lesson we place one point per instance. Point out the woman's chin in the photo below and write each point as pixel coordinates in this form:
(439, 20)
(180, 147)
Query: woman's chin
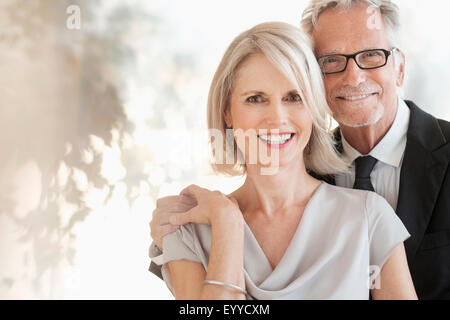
(275, 166)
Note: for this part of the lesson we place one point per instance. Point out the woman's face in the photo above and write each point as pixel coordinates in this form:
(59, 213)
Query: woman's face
(264, 99)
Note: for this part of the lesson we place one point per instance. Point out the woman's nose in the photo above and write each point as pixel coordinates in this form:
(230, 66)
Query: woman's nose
(276, 115)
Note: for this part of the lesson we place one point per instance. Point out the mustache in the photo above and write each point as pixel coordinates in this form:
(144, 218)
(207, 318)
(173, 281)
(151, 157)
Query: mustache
(361, 89)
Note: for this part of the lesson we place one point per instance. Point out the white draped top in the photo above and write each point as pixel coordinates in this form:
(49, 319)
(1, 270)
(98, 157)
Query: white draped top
(341, 243)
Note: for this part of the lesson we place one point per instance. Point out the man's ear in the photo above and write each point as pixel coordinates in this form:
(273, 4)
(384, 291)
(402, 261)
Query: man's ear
(400, 68)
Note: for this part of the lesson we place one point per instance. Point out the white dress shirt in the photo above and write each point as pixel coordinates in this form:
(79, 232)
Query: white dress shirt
(385, 176)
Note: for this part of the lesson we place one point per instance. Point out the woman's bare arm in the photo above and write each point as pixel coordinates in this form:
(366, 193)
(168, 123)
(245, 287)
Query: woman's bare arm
(187, 279)
(226, 260)
(395, 279)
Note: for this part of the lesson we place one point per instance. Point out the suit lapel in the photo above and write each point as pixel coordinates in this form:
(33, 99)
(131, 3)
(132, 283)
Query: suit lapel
(424, 164)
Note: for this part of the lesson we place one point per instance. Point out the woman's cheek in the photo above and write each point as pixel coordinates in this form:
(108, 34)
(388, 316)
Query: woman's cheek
(246, 117)
(305, 125)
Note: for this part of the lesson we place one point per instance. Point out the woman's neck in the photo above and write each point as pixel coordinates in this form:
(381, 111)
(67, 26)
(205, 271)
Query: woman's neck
(291, 187)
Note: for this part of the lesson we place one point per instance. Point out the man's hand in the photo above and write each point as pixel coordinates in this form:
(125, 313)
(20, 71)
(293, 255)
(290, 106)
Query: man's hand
(210, 205)
(165, 208)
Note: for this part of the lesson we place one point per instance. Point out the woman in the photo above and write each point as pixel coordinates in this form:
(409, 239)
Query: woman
(280, 237)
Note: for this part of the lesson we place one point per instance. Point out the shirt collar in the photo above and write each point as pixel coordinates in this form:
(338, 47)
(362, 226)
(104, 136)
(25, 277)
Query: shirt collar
(391, 148)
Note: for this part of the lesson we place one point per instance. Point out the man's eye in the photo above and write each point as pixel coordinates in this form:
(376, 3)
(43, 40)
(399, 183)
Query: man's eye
(372, 54)
(254, 99)
(329, 60)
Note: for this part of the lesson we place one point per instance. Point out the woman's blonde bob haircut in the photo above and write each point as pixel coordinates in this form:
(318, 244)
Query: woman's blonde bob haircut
(288, 49)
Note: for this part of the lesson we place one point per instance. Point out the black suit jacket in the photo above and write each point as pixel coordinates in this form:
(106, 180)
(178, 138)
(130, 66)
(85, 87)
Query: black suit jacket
(423, 203)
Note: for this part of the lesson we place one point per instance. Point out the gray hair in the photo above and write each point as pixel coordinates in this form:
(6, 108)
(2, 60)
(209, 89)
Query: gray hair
(288, 48)
(388, 10)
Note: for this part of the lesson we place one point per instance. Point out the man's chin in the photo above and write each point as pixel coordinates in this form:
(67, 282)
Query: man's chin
(359, 123)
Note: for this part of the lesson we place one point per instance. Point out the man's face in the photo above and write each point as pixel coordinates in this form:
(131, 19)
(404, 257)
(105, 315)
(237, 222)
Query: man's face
(357, 97)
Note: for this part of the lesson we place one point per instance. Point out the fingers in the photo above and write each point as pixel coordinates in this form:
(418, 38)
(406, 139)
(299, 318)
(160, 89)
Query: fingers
(159, 226)
(166, 229)
(182, 218)
(192, 191)
(165, 207)
(181, 204)
(159, 231)
(200, 194)
(172, 201)
(166, 201)
(161, 216)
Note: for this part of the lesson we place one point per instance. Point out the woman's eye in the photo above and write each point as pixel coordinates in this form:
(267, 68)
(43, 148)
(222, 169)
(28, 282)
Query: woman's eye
(254, 99)
(295, 98)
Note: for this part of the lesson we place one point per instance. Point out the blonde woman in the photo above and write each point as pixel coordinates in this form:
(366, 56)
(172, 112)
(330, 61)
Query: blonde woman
(284, 235)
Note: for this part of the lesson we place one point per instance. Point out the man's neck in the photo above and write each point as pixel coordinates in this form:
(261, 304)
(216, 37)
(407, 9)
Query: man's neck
(364, 139)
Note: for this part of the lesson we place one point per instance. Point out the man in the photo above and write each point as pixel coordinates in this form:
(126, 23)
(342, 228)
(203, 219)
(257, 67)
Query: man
(395, 148)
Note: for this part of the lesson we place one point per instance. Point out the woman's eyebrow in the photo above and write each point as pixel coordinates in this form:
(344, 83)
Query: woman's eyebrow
(255, 92)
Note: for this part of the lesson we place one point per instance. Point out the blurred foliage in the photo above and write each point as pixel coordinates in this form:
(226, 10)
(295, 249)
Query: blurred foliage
(60, 88)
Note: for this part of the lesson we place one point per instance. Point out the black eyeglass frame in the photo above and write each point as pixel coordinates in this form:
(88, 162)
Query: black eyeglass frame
(387, 53)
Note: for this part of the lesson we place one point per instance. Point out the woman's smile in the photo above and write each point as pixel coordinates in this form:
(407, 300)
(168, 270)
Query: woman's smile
(277, 141)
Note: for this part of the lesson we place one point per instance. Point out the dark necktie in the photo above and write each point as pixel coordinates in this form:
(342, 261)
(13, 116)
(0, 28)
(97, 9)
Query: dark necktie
(363, 168)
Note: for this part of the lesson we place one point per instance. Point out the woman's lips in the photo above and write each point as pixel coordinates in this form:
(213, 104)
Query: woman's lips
(278, 142)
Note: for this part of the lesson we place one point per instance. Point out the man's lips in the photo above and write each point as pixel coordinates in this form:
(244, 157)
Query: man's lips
(356, 97)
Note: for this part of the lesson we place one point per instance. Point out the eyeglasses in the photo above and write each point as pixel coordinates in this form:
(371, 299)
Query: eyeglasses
(367, 59)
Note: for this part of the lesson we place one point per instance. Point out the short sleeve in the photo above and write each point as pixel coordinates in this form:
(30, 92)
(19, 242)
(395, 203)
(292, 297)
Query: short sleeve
(155, 254)
(179, 245)
(386, 230)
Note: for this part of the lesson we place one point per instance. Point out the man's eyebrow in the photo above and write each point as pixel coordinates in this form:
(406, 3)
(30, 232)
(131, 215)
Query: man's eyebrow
(330, 52)
(326, 53)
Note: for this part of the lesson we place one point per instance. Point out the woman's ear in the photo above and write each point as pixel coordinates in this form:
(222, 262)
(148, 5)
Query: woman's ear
(227, 118)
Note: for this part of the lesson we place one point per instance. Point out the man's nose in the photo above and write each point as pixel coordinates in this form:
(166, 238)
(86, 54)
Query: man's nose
(353, 75)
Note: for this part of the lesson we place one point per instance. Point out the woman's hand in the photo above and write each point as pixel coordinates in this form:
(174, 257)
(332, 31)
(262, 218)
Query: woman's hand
(210, 205)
